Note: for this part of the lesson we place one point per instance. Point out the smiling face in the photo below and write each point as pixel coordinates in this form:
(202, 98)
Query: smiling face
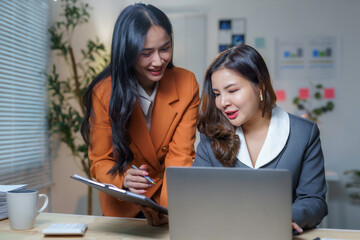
(155, 56)
(236, 97)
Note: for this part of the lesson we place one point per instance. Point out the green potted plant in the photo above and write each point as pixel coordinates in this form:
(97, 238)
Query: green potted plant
(353, 184)
(305, 105)
(66, 89)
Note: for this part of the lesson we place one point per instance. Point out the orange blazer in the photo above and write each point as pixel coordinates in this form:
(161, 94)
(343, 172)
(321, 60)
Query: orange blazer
(170, 141)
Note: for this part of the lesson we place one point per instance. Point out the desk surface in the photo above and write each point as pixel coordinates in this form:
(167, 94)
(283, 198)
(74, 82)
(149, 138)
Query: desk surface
(125, 228)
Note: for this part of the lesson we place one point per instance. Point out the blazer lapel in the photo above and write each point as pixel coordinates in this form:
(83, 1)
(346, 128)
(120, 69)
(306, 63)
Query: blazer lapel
(140, 136)
(163, 114)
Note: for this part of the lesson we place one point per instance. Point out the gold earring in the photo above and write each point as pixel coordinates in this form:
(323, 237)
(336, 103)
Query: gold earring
(261, 97)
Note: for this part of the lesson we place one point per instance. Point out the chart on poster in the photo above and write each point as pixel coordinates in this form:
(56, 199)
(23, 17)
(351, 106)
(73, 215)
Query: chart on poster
(307, 57)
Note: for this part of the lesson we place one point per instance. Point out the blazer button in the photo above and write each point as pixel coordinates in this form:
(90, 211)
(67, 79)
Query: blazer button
(165, 149)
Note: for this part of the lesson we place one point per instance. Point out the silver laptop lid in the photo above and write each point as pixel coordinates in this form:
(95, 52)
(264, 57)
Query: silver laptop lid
(229, 203)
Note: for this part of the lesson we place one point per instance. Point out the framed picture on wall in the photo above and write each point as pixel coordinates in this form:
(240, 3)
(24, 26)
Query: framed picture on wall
(238, 39)
(225, 24)
(231, 32)
(223, 47)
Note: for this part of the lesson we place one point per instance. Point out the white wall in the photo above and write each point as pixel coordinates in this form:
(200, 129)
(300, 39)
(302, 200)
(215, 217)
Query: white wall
(270, 20)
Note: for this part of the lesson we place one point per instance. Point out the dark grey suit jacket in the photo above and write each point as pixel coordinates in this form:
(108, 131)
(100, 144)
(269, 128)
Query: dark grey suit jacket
(303, 156)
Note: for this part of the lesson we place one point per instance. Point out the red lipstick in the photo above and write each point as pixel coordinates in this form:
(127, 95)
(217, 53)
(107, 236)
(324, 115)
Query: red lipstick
(156, 72)
(231, 114)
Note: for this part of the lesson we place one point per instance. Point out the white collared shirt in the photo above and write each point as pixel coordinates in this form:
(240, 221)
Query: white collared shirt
(146, 103)
(276, 138)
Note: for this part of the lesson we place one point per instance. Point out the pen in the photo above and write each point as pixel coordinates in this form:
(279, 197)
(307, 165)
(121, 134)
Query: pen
(146, 177)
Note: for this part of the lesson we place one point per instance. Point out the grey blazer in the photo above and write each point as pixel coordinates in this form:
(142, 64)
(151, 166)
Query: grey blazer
(303, 156)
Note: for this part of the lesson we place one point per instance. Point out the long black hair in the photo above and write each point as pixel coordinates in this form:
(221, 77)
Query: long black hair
(128, 40)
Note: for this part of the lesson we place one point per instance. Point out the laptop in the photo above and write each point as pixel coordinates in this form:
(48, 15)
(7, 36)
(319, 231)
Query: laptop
(206, 203)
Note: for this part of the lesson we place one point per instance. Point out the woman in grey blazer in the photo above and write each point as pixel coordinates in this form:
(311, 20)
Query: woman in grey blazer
(241, 126)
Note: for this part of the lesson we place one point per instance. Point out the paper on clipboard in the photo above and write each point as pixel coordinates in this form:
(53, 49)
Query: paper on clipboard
(121, 194)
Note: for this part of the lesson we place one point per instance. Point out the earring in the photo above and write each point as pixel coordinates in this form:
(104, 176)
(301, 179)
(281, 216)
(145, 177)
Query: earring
(261, 97)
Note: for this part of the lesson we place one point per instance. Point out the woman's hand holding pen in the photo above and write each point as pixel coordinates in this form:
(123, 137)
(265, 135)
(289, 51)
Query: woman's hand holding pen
(135, 179)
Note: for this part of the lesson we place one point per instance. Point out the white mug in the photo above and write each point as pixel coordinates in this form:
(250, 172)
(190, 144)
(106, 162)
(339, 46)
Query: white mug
(22, 206)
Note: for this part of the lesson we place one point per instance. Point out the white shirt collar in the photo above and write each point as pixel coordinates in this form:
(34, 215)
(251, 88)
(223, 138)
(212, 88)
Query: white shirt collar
(276, 138)
(145, 100)
(146, 103)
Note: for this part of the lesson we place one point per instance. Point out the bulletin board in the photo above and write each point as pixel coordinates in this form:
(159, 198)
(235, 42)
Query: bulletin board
(231, 32)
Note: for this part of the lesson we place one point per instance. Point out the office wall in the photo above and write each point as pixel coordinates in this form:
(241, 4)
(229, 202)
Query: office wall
(269, 20)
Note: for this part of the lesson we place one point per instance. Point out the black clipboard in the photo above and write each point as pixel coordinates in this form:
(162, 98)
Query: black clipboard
(122, 194)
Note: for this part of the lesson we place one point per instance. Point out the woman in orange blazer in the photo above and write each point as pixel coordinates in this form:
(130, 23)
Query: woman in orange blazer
(141, 110)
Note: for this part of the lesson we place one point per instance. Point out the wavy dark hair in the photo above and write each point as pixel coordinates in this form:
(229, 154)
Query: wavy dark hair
(246, 61)
(128, 40)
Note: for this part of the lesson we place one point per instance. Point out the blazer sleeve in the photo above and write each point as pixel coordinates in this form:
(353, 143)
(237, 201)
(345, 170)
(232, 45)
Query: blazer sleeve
(310, 207)
(204, 154)
(181, 147)
(101, 148)
(202, 158)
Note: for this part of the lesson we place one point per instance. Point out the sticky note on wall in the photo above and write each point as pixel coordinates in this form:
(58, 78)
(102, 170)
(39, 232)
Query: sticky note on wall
(329, 93)
(280, 95)
(304, 93)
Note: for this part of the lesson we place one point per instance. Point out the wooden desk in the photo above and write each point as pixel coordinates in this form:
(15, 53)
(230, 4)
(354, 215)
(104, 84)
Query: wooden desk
(107, 228)
(99, 228)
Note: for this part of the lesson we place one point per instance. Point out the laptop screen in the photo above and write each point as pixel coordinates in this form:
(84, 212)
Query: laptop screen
(229, 203)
